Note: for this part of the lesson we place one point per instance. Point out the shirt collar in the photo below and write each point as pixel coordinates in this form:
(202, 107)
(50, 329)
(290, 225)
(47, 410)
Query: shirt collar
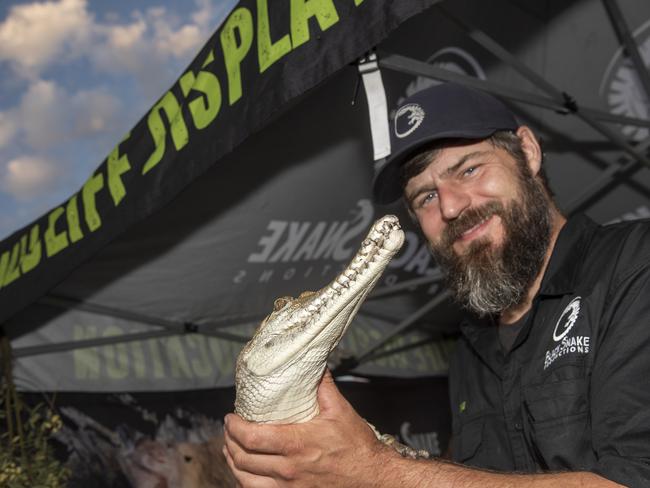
(561, 276)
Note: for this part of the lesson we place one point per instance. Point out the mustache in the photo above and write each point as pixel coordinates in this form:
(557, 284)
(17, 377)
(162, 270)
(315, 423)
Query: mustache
(471, 217)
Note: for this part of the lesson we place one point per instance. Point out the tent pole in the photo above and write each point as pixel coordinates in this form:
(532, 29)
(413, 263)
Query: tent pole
(22, 352)
(604, 179)
(118, 339)
(406, 284)
(397, 350)
(623, 33)
(504, 55)
(404, 64)
(70, 303)
(349, 363)
(175, 327)
(67, 303)
(414, 67)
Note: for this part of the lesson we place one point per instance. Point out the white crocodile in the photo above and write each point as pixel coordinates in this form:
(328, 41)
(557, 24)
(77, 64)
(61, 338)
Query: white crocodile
(279, 370)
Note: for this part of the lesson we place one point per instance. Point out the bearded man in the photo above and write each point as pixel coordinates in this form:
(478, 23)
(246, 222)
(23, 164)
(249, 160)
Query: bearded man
(549, 383)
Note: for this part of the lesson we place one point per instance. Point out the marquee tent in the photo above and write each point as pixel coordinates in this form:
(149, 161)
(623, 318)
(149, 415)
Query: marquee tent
(250, 179)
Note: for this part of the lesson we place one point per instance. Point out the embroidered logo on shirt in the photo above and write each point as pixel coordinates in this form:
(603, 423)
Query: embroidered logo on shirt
(567, 345)
(567, 320)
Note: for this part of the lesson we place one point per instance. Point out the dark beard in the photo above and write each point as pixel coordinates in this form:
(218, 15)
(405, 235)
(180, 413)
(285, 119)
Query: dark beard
(488, 279)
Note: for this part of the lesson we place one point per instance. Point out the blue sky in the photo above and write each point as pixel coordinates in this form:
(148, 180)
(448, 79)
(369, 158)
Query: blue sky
(77, 75)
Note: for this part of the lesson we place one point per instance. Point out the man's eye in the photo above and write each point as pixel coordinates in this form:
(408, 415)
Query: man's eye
(428, 198)
(469, 171)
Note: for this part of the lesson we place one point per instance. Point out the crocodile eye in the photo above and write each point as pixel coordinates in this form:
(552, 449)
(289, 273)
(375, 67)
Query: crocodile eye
(187, 459)
(280, 303)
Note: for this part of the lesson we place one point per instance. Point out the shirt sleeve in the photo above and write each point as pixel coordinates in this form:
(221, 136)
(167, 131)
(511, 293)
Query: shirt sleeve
(620, 383)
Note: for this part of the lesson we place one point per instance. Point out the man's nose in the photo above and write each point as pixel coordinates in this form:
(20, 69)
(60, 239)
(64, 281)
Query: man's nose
(453, 201)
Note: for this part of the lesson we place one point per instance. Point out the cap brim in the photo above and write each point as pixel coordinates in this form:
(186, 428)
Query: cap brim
(386, 186)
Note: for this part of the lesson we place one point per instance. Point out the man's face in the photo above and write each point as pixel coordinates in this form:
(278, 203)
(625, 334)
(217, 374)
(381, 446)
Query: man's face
(487, 221)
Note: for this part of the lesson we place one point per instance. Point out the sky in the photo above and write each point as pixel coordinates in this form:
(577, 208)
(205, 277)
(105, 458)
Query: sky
(75, 76)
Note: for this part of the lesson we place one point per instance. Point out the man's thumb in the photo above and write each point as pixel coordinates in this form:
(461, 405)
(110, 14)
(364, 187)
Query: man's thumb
(329, 395)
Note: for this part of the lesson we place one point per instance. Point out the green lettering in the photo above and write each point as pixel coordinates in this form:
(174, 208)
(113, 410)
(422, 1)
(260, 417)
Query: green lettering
(86, 360)
(156, 359)
(12, 272)
(357, 2)
(209, 58)
(116, 166)
(200, 364)
(137, 353)
(88, 192)
(54, 242)
(180, 136)
(205, 108)
(31, 259)
(177, 359)
(4, 260)
(72, 215)
(186, 81)
(117, 359)
(268, 52)
(240, 22)
(303, 10)
(223, 355)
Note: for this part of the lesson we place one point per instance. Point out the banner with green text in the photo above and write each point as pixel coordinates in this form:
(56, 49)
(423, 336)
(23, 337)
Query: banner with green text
(262, 57)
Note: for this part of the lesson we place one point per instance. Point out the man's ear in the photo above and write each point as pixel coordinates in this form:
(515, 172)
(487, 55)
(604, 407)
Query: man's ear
(531, 148)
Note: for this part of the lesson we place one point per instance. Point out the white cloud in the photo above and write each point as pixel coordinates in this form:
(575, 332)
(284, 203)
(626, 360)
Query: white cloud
(209, 15)
(179, 43)
(126, 36)
(38, 35)
(41, 34)
(56, 132)
(94, 111)
(35, 35)
(40, 113)
(7, 128)
(48, 115)
(27, 177)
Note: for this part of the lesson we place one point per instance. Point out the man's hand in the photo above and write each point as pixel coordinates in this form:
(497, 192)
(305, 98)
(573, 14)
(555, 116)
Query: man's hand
(338, 449)
(335, 449)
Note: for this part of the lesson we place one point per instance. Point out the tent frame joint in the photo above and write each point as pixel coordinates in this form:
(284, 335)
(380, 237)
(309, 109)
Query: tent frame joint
(570, 103)
(190, 328)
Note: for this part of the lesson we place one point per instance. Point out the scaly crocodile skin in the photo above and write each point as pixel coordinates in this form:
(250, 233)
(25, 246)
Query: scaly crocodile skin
(279, 369)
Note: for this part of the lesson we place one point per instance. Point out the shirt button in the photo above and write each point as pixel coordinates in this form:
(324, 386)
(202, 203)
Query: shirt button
(518, 426)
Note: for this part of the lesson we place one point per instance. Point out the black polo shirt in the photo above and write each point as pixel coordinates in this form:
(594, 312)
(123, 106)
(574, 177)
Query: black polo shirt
(573, 393)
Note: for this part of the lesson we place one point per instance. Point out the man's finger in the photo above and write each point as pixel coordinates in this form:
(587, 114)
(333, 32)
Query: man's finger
(265, 465)
(259, 438)
(329, 396)
(245, 479)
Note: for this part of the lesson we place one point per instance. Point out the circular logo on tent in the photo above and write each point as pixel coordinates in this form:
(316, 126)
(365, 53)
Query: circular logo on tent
(567, 320)
(407, 119)
(450, 58)
(622, 89)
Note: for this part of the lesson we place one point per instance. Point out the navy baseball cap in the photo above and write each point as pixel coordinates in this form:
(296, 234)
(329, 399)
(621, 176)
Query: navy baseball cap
(443, 111)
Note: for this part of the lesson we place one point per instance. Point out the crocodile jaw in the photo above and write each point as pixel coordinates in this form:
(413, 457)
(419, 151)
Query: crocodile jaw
(278, 371)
